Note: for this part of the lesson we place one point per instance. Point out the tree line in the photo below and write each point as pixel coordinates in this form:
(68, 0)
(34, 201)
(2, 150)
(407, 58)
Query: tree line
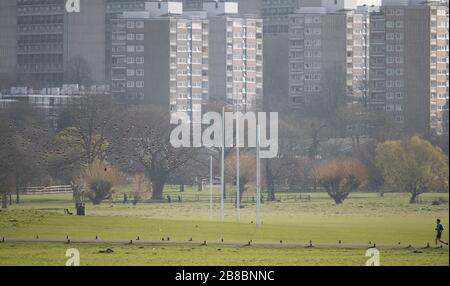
(99, 145)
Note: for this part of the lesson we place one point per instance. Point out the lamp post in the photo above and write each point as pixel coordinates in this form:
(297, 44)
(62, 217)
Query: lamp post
(238, 194)
(258, 177)
(210, 187)
(211, 181)
(222, 181)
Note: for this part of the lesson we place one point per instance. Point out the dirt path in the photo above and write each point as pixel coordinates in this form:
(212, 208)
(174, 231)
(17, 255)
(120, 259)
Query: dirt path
(138, 241)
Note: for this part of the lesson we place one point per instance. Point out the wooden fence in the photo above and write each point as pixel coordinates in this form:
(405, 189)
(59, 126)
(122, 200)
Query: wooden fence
(47, 190)
(184, 198)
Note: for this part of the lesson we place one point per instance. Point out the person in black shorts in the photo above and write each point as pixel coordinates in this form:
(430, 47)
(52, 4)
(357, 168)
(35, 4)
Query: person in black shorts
(439, 230)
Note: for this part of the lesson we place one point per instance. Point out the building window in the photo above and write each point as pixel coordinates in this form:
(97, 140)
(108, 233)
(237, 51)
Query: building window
(139, 48)
(140, 60)
(139, 25)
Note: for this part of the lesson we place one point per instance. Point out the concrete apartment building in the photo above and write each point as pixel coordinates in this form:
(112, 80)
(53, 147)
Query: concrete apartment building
(276, 47)
(113, 9)
(8, 41)
(49, 102)
(200, 55)
(329, 54)
(236, 51)
(410, 66)
(49, 37)
(170, 71)
(246, 7)
(236, 56)
(192, 5)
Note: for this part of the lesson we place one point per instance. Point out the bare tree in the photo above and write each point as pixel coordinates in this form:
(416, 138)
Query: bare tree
(100, 178)
(247, 174)
(280, 172)
(78, 72)
(216, 106)
(142, 143)
(340, 177)
(354, 121)
(30, 137)
(84, 141)
(366, 154)
(8, 156)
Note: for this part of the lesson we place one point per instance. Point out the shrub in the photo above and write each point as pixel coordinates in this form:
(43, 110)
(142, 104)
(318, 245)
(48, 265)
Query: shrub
(100, 178)
(341, 177)
(99, 190)
(439, 201)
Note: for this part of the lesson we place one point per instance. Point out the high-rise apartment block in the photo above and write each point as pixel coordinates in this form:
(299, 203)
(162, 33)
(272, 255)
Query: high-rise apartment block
(246, 7)
(8, 41)
(276, 12)
(113, 9)
(182, 59)
(391, 57)
(410, 66)
(328, 56)
(192, 5)
(236, 57)
(276, 15)
(49, 37)
(160, 56)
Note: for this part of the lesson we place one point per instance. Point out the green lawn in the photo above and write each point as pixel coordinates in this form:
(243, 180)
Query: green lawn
(362, 218)
(164, 255)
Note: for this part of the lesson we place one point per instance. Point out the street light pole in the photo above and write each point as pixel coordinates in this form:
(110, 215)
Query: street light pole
(238, 194)
(210, 187)
(222, 181)
(258, 177)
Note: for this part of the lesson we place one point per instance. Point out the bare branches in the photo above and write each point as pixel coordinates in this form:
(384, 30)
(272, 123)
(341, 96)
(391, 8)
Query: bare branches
(341, 177)
(143, 142)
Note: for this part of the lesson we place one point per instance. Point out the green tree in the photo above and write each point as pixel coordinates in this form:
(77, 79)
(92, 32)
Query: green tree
(412, 165)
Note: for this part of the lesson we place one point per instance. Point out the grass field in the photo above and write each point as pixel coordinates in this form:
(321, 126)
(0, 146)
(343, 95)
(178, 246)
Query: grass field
(128, 255)
(362, 218)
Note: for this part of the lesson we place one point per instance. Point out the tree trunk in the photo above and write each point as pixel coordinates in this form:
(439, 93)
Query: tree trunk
(17, 195)
(199, 184)
(181, 188)
(10, 199)
(338, 200)
(4, 201)
(270, 182)
(158, 188)
(241, 193)
(413, 199)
